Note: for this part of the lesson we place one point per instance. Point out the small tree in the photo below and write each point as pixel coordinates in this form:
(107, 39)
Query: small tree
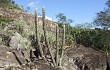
(28, 9)
(62, 19)
(103, 18)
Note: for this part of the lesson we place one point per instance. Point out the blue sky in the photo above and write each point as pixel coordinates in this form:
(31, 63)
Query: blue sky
(81, 11)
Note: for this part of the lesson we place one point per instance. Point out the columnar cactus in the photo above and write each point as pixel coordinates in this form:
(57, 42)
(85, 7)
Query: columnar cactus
(37, 36)
(57, 48)
(45, 36)
(62, 47)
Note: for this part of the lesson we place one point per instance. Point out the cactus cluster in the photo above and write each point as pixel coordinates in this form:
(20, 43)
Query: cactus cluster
(57, 59)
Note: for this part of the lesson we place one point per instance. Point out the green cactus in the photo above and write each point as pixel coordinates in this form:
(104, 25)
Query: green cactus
(37, 36)
(45, 36)
(57, 48)
(62, 47)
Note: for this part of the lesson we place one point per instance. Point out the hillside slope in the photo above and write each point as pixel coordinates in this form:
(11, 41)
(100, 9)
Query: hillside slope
(17, 36)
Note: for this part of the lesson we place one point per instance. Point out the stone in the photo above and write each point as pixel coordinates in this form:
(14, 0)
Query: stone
(87, 58)
(15, 41)
(18, 42)
(0, 40)
(68, 64)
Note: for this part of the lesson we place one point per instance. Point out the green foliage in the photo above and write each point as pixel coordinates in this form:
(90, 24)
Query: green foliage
(24, 29)
(69, 40)
(104, 40)
(26, 44)
(83, 34)
(28, 9)
(50, 35)
(85, 37)
(4, 21)
(95, 38)
(84, 26)
(10, 4)
(62, 19)
(103, 18)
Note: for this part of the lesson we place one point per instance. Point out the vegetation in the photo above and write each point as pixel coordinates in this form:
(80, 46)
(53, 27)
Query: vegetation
(63, 20)
(84, 35)
(4, 21)
(80, 34)
(98, 38)
(10, 4)
(95, 38)
(103, 18)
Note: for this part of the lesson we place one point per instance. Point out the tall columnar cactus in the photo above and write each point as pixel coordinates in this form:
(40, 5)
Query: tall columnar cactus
(57, 48)
(45, 36)
(37, 35)
(62, 47)
(36, 24)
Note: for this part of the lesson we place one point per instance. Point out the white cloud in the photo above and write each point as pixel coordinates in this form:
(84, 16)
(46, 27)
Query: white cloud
(48, 18)
(33, 4)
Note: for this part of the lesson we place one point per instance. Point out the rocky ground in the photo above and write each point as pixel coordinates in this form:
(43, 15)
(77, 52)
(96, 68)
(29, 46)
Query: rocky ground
(14, 60)
(79, 58)
(83, 58)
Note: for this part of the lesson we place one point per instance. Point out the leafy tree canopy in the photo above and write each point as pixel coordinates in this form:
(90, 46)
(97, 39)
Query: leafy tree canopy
(63, 19)
(103, 18)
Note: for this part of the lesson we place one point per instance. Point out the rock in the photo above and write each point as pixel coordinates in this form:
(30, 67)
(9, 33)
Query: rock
(0, 40)
(68, 64)
(4, 39)
(87, 58)
(15, 41)
(108, 63)
(18, 42)
(7, 58)
(33, 66)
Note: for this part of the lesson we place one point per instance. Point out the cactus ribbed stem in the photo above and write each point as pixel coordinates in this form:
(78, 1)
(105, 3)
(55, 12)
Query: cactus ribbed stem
(63, 44)
(45, 36)
(37, 36)
(57, 48)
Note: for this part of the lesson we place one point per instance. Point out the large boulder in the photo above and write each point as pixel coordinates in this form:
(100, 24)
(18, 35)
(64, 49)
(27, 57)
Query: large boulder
(18, 42)
(15, 41)
(11, 61)
(33, 66)
(87, 58)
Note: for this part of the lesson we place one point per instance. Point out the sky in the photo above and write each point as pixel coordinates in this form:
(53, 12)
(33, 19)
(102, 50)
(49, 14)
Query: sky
(80, 11)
